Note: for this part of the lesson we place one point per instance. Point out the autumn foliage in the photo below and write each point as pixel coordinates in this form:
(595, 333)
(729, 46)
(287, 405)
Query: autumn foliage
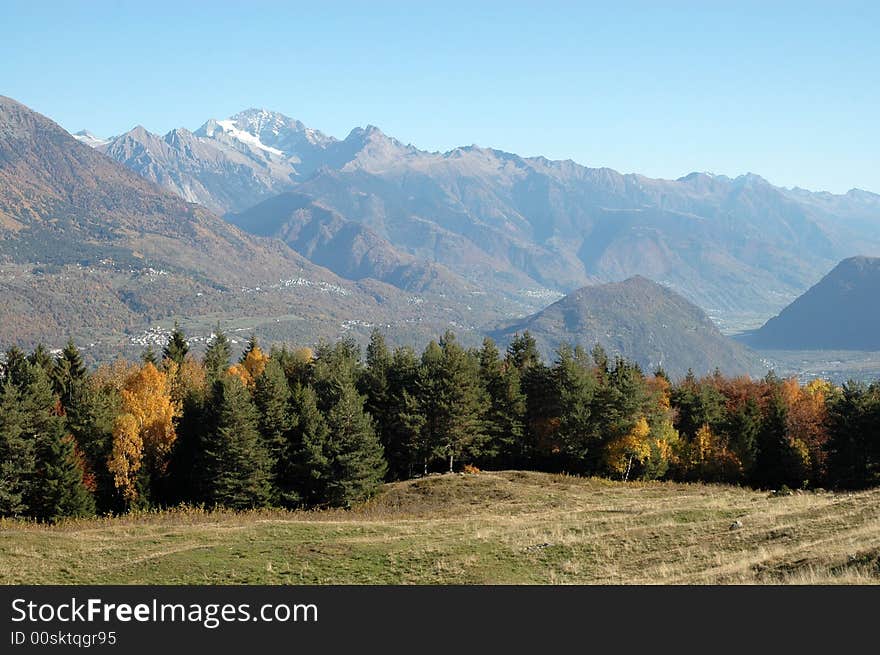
(297, 427)
(144, 432)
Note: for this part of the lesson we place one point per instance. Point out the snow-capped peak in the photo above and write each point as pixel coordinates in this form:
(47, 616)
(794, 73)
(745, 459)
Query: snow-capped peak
(231, 127)
(84, 136)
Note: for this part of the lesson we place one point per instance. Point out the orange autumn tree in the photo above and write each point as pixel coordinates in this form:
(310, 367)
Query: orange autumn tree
(806, 427)
(708, 457)
(143, 433)
(252, 364)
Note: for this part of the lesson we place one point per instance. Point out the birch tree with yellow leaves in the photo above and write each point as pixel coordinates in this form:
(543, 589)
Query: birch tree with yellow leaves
(143, 433)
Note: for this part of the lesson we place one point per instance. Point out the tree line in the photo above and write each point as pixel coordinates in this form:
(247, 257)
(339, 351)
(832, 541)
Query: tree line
(325, 427)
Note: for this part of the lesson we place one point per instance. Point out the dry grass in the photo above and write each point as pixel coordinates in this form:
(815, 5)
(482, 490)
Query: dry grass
(507, 527)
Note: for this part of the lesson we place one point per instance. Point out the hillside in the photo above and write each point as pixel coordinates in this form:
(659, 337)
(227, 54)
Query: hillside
(739, 247)
(488, 528)
(640, 320)
(840, 312)
(92, 250)
(348, 248)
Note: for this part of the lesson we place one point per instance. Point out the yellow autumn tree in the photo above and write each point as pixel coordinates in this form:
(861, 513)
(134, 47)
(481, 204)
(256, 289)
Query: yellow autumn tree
(143, 433)
(186, 378)
(663, 443)
(707, 457)
(251, 367)
(631, 448)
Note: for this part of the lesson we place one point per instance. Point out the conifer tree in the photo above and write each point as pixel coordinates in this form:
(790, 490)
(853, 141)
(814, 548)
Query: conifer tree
(217, 355)
(772, 444)
(235, 466)
(357, 465)
(578, 428)
(16, 453)
(177, 347)
(335, 367)
(504, 413)
(743, 426)
(522, 351)
(43, 359)
(374, 379)
(304, 470)
(149, 356)
(452, 400)
(57, 488)
(69, 369)
(90, 415)
(15, 370)
(401, 427)
(272, 400)
(853, 447)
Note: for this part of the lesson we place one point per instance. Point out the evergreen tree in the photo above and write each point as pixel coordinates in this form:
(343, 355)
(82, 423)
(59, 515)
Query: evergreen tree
(177, 347)
(401, 427)
(304, 471)
(15, 370)
(57, 488)
(357, 465)
(854, 444)
(41, 357)
(577, 385)
(504, 415)
(251, 345)
(68, 371)
(335, 367)
(452, 400)
(374, 379)
(743, 427)
(217, 355)
(149, 356)
(90, 415)
(374, 385)
(16, 453)
(235, 464)
(522, 352)
(181, 485)
(542, 415)
(272, 399)
(772, 444)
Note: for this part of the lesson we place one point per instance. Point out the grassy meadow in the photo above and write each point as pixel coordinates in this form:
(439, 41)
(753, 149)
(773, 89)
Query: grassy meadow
(497, 528)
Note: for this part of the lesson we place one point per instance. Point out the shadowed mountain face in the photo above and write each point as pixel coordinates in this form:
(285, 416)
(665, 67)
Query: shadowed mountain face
(640, 320)
(525, 225)
(90, 249)
(841, 312)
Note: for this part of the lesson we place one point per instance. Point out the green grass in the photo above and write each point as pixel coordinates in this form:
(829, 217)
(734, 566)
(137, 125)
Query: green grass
(506, 527)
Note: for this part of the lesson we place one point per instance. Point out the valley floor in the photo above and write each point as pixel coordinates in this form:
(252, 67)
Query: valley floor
(501, 527)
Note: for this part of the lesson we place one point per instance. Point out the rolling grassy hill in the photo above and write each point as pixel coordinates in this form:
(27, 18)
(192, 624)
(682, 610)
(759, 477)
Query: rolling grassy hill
(505, 527)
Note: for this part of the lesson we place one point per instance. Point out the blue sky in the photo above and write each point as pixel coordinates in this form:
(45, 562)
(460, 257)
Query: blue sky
(790, 91)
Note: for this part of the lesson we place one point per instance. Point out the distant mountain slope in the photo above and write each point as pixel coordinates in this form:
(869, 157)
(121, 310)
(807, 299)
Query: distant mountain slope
(840, 312)
(89, 248)
(348, 248)
(738, 247)
(640, 320)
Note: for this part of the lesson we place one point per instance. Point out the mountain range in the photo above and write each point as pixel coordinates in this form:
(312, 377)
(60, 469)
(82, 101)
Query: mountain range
(92, 250)
(740, 248)
(269, 226)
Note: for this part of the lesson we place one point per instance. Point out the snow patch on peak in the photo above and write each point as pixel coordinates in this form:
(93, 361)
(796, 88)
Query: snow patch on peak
(230, 127)
(84, 136)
